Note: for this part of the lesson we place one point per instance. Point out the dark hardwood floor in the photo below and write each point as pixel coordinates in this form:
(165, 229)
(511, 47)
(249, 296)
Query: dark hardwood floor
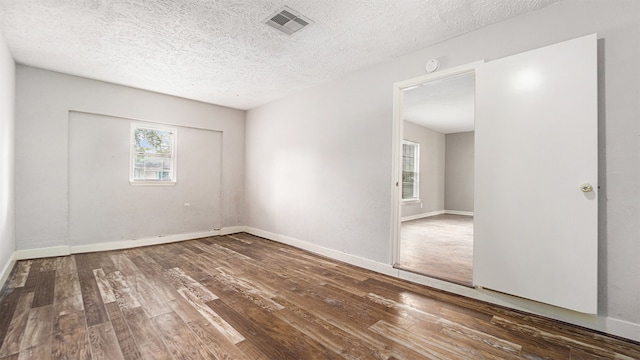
(243, 297)
(439, 246)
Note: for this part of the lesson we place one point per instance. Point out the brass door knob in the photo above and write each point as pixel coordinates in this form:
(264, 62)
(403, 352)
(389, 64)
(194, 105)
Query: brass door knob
(586, 187)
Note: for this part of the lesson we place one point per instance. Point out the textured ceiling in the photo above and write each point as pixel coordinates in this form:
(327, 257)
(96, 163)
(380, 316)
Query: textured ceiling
(444, 105)
(220, 52)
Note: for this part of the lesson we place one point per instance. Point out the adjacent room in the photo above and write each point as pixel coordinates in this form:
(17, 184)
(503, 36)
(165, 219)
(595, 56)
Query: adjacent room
(319, 180)
(437, 179)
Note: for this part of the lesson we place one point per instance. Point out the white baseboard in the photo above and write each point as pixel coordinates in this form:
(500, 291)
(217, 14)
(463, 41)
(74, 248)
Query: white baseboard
(6, 271)
(434, 213)
(231, 230)
(127, 244)
(621, 328)
(330, 253)
(457, 212)
(117, 245)
(43, 252)
(420, 216)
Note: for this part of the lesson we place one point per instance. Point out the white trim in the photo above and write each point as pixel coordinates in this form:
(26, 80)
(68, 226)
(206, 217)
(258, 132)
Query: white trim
(457, 212)
(411, 201)
(151, 183)
(458, 70)
(330, 253)
(423, 215)
(434, 213)
(127, 244)
(43, 252)
(117, 245)
(621, 328)
(113, 245)
(231, 230)
(6, 271)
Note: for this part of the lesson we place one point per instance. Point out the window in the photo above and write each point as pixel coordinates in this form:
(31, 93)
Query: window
(153, 155)
(410, 170)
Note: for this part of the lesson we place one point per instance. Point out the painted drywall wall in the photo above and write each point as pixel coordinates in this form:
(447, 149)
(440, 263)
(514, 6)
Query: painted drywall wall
(308, 170)
(99, 163)
(319, 161)
(432, 170)
(458, 188)
(44, 100)
(7, 155)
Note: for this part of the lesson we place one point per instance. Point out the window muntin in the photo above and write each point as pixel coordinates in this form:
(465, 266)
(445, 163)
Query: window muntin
(153, 155)
(410, 170)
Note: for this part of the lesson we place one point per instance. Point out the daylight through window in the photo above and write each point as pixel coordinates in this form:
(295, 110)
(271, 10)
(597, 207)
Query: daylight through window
(153, 151)
(410, 170)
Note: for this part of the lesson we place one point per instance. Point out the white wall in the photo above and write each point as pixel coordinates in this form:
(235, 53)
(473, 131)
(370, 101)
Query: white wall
(432, 170)
(319, 162)
(311, 175)
(7, 155)
(458, 188)
(99, 163)
(44, 100)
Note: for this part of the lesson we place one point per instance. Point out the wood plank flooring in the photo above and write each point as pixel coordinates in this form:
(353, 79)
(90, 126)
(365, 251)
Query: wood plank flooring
(439, 246)
(244, 297)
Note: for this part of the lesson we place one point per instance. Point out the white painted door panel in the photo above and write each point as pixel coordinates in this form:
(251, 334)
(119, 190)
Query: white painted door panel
(535, 231)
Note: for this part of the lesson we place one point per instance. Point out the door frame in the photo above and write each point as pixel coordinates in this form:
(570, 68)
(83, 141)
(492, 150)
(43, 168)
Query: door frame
(396, 143)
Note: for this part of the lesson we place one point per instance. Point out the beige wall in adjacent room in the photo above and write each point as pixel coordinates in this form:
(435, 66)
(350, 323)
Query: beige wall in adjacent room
(432, 170)
(458, 188)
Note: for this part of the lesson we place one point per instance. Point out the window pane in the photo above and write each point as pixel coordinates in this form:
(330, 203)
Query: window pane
(410, 183)
(151, 141)
(152, 154)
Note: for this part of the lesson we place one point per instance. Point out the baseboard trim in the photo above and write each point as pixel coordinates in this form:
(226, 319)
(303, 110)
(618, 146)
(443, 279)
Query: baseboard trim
(434, 213)
(117, 245)
(330, 253)
(6, 271)
(622, 328)
(43, 252)
(457, 212)
(127, 244)
(231, 230)
(423, 215)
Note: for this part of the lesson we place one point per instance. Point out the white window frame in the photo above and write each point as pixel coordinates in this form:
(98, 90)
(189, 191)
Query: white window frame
(132, 155)
(416, 171)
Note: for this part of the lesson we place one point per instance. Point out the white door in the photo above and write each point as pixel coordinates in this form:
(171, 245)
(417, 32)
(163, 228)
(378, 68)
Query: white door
(535, 229)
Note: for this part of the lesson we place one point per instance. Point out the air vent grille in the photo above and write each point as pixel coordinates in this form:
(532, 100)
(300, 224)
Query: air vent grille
(287, 20)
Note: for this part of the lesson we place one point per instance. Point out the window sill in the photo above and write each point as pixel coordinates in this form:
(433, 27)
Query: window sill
(411, 201)
(152, 183)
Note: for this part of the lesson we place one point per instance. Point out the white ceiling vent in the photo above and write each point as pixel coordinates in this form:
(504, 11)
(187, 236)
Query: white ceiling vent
(287, 20)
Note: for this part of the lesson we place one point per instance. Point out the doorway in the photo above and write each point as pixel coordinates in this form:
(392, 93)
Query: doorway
(435, 232)
(535, 218)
